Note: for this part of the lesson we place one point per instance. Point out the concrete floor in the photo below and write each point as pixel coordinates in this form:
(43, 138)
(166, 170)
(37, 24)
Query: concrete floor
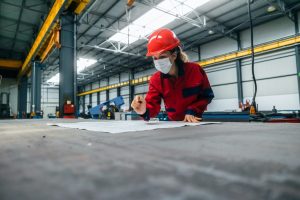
(220, 161)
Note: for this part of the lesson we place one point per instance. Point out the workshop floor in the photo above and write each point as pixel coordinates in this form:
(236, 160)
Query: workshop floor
(220, 161)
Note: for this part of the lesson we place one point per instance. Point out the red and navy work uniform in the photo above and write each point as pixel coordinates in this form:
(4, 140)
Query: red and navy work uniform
(189, 93)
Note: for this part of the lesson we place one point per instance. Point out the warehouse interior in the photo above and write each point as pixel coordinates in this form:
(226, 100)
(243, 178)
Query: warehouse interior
(69, 70)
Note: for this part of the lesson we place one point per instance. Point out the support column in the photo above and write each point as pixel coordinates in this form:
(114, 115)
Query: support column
(98, 95)
(91, 96)
(119, 88)
(83, 104)
(98, 98)
(131, 87)
(239, 72)
(67, 62)
(107, 91)
(118, 91)
(297, 53)
(35, 103)
(22, 97)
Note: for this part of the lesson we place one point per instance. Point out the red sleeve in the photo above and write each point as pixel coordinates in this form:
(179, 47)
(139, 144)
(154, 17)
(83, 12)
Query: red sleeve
(204, 97)
(153, 99)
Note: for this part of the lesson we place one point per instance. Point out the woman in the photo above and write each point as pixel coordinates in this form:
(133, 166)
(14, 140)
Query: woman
(182, 85)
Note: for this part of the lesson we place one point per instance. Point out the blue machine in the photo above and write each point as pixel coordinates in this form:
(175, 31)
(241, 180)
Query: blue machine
(97, 110)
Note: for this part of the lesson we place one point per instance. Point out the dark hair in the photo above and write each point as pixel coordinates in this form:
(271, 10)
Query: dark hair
(181, 56)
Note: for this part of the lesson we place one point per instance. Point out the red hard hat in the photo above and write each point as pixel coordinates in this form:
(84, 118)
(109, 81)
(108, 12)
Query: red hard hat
(161, 40)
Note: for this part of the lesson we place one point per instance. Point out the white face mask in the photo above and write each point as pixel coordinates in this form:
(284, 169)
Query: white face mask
(163, 65)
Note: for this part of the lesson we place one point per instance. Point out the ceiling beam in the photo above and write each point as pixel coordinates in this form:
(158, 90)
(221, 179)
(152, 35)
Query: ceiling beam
(16, 40)
(17, 29)
(97, 20)
(24, 7)
(14, 20)
(11, 64)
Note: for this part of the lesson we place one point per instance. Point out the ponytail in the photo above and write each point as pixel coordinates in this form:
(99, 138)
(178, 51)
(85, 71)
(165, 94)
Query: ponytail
(181, 56)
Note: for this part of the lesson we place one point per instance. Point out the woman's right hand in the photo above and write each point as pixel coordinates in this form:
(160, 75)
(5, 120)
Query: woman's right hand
(139, 104)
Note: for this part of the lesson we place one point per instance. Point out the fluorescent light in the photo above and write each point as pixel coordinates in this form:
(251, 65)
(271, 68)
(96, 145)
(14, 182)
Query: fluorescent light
(83, 63)
(271, 8)
(155, 18)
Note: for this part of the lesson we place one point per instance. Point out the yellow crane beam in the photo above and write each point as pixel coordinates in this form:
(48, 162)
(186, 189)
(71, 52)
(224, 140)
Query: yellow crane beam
(81, 6)
(52, 39)
(10, 64)
(45, 27)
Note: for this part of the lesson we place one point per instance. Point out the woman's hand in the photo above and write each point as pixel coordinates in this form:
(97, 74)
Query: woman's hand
(192, 118)
(139, 105)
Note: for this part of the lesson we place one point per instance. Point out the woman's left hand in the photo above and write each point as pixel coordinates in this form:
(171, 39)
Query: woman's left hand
(192, 118)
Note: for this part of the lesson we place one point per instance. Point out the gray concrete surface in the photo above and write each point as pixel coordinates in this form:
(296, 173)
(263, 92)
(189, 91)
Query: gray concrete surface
(221, 161)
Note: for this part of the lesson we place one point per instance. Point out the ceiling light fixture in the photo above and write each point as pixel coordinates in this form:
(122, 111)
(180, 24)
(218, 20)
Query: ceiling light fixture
(271, 8)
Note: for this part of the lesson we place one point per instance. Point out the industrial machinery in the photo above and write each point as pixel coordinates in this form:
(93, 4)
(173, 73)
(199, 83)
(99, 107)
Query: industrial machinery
(69, 110)
(4, 105)
(105, 110)
(277, 116)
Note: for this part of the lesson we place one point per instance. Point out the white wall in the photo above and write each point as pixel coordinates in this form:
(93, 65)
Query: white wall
(94, 99)
(125, 94)
(112, 93)
(218, 47)
(49, 99)
(193, 55)
(145, 73)
(124, 76)
(87, 99)
(141, 89)
(114, 79)
(80, 103)
(10, 86)
(103, 83)
(28, 99)
(277, 80)
(276, 71)
(95, 85)
(269, 31)
(223, 81)
(102, 96)
(103, 93)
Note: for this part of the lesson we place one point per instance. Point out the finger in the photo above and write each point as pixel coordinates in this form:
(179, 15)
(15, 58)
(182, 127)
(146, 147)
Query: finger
(185, 119)
(195, 120)
(190, 119)
(198, 118)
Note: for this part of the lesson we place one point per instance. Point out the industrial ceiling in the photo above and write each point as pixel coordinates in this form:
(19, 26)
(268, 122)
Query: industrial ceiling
(21, 20)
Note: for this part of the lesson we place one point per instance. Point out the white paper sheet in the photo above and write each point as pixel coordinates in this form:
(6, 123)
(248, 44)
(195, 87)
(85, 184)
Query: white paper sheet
(125, 126)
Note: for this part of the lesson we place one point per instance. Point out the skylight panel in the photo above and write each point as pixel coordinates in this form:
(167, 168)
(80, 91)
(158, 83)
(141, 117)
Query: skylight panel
(83, 63)
(155, 18)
